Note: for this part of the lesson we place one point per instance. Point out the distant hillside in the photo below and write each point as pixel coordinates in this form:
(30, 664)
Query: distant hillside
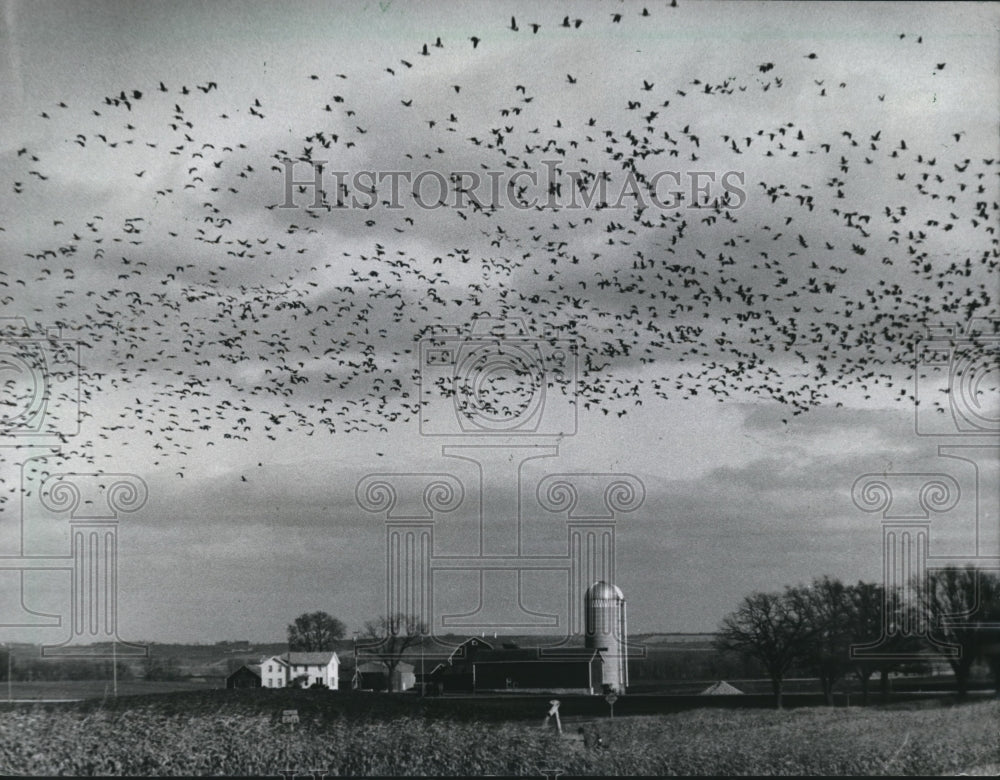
(679, 640)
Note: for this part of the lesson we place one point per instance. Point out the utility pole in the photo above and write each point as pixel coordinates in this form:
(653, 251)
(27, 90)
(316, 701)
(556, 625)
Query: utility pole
(356, 679)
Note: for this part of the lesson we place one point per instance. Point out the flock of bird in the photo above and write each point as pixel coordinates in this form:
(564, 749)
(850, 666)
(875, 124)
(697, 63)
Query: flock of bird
(223, 312)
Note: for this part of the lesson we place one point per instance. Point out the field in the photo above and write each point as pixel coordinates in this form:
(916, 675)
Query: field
(242, 733)
(89, 689)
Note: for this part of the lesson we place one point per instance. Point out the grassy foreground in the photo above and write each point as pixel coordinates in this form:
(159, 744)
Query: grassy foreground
(245, 736)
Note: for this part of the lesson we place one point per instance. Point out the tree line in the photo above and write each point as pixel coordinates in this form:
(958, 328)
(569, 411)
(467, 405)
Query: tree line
(28, 669)
(24, 668)
(824, 627)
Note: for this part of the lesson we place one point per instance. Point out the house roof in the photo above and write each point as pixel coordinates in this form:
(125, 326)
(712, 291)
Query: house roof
(307, 659)
(470, 646)
(488, 654)
(254, 668)
(721, 688)
(531, 654)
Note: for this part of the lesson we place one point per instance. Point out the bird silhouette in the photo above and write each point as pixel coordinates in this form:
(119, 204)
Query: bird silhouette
(812, 290)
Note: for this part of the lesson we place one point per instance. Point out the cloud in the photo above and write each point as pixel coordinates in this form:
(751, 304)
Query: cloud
(222, 331)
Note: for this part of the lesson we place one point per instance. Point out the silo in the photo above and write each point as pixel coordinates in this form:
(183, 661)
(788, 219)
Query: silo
(604, 607)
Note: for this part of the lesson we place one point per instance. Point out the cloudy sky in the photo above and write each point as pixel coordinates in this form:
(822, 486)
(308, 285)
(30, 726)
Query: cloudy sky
(253, 359)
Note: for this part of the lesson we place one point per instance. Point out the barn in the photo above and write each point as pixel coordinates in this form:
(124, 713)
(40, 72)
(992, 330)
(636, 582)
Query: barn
(477, 666)
(600, 666)
(247, 676)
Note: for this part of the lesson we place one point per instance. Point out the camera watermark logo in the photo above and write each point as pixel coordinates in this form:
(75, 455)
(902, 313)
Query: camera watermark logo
(497, 379)
(931, 601)
(39, 411)
(39, 385)
(95, 504)
(504, 398)
(958, 381)
(905, 502)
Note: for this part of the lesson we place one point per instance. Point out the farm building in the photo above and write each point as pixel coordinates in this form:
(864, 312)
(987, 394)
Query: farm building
(597, 667)
(476, 666)
(281, 671)
(721, 688)
(372, 676)
(247, 676)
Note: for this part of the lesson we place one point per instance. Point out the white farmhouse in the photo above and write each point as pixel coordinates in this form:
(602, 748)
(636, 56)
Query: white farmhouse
(280, 670)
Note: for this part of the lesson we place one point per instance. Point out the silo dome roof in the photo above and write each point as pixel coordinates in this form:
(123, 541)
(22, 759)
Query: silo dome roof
(603, 590)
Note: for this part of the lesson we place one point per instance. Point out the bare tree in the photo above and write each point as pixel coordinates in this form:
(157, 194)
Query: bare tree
(770, 627)
(314, 631)
(963, 605)
(992, 655)
(875, 618)
(867, 624)
(389, 637)
(827, 608)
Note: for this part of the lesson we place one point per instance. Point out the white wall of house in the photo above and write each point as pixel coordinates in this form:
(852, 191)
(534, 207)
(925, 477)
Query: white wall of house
(331, 673)
(273, 673)
(278, 673)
